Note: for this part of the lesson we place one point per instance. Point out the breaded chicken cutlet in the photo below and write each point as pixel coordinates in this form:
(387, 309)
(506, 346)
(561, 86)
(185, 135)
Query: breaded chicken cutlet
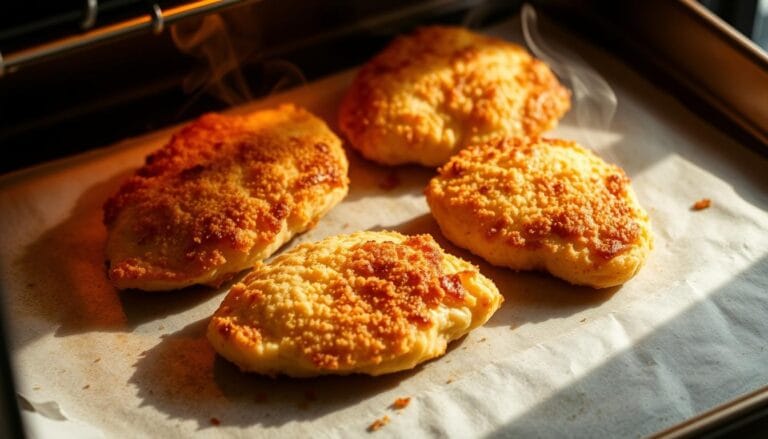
(543, 204)
(439, 89)
(369, 302)
(224, 193)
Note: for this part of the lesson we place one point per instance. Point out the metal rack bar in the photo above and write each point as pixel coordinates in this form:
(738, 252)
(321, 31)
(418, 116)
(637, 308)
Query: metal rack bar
(723, 420)
(154, 20)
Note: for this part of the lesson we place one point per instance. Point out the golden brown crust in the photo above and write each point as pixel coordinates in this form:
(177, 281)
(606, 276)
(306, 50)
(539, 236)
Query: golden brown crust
(543, 203)
(223, 191)
(439, 89)
(371, 302)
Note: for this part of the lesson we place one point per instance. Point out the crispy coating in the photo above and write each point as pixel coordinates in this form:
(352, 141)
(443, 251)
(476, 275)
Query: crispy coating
(439, 89)
(369, 302)
(225, 192)
(543, 204)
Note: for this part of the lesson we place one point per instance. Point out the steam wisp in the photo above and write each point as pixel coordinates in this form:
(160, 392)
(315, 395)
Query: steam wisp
(226, 45)
(594, 102)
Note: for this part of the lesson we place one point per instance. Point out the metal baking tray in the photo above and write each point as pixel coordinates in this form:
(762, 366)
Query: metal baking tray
(584, 406)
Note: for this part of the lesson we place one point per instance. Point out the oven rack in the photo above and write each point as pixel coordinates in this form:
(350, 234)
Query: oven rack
(153, 19)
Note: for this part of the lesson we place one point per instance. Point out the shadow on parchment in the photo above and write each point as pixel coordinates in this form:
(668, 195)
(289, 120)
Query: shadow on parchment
(369, 178)
(184, 378)
(529, 296)
(67, 282)
(713, 351)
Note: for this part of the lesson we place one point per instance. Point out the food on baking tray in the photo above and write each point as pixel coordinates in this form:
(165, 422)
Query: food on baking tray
(224, 193)
(439, 89)
(543, 204)
(369, 302)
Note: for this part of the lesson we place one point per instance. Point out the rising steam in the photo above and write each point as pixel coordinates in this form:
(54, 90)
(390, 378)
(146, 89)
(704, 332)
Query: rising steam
(207, 39)
(594, 102)
(226, 47)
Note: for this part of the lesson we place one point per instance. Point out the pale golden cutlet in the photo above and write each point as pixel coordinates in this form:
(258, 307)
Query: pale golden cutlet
(224, 193)
(543, 204)
(369, 303)
(431, 93)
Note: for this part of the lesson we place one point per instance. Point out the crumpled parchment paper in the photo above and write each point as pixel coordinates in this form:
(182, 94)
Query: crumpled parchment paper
(688, 333)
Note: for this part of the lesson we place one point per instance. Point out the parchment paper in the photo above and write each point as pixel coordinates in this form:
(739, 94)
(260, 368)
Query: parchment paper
(688, 333)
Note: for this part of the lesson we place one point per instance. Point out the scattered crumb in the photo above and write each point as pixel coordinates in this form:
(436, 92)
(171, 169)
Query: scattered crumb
(701, 204)
(464, 348)
(583, 320)
(161, 327)
(390, 181)
(449, 381)
(36, 387)
(86, 387)
(97, 360)
(401, 403)
(345, 225)
(215, 421)
(30, 285)
(482, 340)
(377, 424)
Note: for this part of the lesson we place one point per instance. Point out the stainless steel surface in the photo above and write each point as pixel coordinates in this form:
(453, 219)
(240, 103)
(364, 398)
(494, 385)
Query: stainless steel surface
(704, 53)
(154, 20)
(722, 415)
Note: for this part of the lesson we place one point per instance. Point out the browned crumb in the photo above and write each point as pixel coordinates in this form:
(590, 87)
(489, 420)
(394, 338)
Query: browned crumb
(378, 302)
(562, 203)
(400, 285)
(86, 387)
(377, 424)
(215, 421)
(97, 360)
(449, 381)
(36, 387)
(583, 320)
(475, 85)
(219, 193)
(390, 181)
(401, 403)
(483, 340)
(702, 204)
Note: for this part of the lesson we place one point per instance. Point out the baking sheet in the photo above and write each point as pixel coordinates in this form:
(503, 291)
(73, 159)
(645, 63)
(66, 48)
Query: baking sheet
(688, 333)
